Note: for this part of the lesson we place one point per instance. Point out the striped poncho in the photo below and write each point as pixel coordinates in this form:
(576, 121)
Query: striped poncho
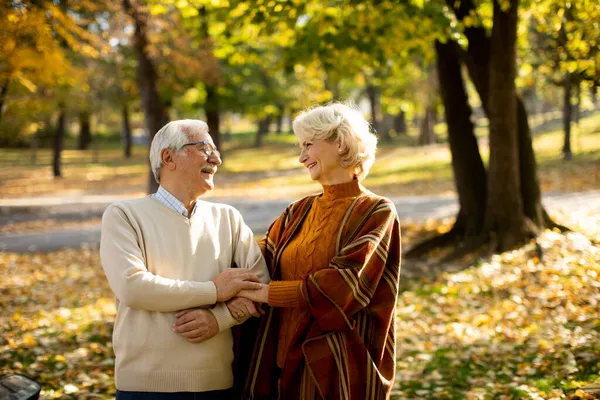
(346, 343)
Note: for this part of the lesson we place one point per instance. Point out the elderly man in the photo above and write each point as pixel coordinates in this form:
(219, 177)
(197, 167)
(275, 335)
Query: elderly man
(168, 259)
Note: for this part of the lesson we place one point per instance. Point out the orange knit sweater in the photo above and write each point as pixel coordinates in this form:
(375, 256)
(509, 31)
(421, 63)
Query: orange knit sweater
(310, 250)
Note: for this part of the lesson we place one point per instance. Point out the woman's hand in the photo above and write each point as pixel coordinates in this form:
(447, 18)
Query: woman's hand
(259, 296)
(242, 308)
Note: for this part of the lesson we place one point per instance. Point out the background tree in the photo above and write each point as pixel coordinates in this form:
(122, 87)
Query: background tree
(155, 111)
(566, 52)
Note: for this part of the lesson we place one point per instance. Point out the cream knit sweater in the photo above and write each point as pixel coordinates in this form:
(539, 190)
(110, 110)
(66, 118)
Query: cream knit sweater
(159, 262)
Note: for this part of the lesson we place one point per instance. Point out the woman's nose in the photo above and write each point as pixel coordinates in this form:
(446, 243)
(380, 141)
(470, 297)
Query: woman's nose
(303, 156)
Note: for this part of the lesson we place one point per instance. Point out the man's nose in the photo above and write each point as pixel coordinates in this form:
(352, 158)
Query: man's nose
(215, 159)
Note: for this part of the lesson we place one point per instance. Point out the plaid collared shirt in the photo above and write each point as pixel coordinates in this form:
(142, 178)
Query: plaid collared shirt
(172, 202)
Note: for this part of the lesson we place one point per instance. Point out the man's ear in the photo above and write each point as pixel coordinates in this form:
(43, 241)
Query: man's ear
(166, 156)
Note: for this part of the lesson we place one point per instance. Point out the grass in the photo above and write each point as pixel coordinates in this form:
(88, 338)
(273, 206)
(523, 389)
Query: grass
(274, 171)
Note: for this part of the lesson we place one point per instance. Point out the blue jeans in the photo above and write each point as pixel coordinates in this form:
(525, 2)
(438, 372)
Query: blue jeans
(212, 395)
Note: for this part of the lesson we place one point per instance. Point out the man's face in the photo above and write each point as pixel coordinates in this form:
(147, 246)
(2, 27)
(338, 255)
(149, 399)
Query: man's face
(195, 169)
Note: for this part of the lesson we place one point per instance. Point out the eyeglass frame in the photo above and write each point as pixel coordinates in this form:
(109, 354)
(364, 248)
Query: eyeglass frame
(205, 142)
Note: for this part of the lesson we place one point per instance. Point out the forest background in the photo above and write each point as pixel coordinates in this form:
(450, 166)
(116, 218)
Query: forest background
(491, 102)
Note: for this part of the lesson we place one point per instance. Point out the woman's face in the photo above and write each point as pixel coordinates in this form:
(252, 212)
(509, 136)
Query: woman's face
(322, 159)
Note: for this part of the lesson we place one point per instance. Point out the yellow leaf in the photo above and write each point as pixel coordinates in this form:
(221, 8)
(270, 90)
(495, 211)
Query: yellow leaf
(28, 341)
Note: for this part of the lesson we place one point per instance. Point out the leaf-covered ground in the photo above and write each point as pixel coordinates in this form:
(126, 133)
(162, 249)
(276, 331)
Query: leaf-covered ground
(511, 327)
(514, 326)
(46, 225)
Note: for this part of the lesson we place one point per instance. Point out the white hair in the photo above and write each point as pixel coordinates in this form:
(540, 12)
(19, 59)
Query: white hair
(346, 124)
(173, 136)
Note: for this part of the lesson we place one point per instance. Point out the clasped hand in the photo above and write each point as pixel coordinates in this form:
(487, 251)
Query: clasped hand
(197, 325)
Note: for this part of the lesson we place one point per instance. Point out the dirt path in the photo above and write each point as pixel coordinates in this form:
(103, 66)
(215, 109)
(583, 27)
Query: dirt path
(258, 214)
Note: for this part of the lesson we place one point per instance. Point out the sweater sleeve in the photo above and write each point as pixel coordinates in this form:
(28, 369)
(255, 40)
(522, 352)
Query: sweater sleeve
(247, 254)
(133, 285)
(285, 294)
(224, 318)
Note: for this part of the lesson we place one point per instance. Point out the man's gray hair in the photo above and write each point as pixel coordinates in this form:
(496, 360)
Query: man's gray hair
(346, 124)
(173, 136)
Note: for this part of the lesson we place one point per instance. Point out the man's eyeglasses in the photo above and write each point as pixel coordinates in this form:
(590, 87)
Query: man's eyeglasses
(205, 147)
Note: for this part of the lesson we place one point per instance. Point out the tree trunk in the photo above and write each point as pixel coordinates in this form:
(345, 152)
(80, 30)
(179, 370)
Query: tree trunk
(469, 172)
(263, 129)
(281, 110)
(85, 134)
(291, 122)
(530, 184)
(3, 94)
(373, 95)
(59, 138)
(400, 123)
(213, 119)
(567, 113)
(477, 60)
(211, 77)
(577, 105)
(155, 112)
(125, 131)
(505, 214)
(427, 135)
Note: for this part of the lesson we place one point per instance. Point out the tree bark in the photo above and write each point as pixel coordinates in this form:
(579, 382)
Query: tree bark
(469, 172)
(477, 61)
(567, 113)
(400, 123)
(85, 134)
(211, 80)
(59, 138)
(213, 118)
(281, 110)
(3, 94)
(427, 135)
(577, 105)
(530, 184)
(373, 95)
(125, 131)
(263, 129)
(505, 212)
(155, 112)
(291, 122)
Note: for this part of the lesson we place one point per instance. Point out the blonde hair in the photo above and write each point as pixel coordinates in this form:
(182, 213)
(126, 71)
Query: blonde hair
(173, 136)
(346, 124)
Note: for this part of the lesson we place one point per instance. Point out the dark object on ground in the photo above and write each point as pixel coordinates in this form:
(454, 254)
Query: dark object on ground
(19, 387)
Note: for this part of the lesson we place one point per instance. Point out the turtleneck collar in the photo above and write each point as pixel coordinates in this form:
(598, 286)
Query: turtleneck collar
(341, 190)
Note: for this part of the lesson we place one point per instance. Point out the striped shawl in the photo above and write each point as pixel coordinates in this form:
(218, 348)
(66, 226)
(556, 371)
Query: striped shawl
(346, 342)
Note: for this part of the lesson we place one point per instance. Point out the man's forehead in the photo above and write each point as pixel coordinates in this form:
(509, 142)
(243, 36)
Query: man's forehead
(196, 136)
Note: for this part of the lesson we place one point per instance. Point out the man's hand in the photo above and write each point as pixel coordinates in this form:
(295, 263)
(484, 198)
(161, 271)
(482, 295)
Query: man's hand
(196, 325)
(242, 308)
(261, 295)
(232, 280)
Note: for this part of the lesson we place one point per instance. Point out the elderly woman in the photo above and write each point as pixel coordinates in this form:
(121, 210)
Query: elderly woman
(334, 260)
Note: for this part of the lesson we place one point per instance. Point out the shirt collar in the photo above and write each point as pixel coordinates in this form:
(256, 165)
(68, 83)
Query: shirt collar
(172, 202)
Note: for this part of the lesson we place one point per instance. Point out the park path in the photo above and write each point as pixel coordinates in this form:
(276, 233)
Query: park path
(258, 214)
